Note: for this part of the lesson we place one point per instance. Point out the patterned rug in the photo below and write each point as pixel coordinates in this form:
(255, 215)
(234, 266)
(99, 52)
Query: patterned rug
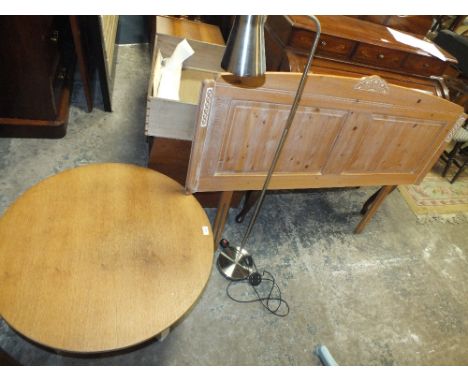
(435, 199)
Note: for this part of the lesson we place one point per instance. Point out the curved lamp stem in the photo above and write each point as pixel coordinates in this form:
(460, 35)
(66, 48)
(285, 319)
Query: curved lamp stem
(233, 262)
(284, 135)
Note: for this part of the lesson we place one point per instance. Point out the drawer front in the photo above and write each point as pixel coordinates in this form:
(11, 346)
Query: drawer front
(170, 119)
(334, 46)
(301, 39)
(330, 46)
(378, 56)
(424, 66)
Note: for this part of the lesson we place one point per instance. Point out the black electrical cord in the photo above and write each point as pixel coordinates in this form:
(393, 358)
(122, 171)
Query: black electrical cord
(254, 279)
(264, 300)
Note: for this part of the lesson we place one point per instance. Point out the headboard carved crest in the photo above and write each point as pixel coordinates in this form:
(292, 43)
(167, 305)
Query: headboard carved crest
(373, 83)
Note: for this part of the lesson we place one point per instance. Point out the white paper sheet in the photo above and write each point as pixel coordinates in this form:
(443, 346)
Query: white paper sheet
(171, 71)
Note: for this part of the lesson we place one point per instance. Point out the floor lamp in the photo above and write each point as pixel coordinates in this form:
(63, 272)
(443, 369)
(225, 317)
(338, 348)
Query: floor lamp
(245, 57)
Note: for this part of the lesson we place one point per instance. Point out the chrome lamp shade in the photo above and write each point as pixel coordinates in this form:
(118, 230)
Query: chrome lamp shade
(245, 50)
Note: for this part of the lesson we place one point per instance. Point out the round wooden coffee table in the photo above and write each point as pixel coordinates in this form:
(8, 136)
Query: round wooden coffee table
(102, 257)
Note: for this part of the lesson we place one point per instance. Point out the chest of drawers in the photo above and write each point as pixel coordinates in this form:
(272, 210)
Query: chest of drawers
(170, 123)
(351, 45)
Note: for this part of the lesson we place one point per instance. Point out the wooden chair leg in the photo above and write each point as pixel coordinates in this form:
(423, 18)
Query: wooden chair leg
(460, 170)
(450, 156)
(221, 215)
(369, 202)
(377, 201)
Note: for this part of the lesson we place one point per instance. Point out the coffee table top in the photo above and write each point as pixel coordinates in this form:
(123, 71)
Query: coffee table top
(102, 257)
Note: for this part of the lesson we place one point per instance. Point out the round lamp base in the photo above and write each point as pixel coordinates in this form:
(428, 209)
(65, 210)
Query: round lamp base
(232, 263)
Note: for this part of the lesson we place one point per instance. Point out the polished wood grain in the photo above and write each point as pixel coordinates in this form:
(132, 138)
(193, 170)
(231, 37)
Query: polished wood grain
(358, 30)
(334, 46)
(355, 45)
(416, 24)
(296, 62)
(379, 56)
(425, 66)
(102, 257)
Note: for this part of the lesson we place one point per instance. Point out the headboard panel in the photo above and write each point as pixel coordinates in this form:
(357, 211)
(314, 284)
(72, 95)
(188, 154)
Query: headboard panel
(346, 132)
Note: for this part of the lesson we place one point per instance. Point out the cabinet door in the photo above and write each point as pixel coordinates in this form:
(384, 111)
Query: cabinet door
(29, 66)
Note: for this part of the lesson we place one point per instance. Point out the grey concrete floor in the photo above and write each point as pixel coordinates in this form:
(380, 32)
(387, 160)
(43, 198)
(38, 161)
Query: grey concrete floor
(394, 295)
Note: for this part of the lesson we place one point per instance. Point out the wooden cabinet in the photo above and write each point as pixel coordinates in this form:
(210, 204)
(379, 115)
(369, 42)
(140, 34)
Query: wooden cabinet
(36, 71)
(169, 123)
(352, 45)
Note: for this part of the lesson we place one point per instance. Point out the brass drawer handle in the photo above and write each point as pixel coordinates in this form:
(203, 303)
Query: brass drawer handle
(426, 65)
(323, 43)
(381, 56)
